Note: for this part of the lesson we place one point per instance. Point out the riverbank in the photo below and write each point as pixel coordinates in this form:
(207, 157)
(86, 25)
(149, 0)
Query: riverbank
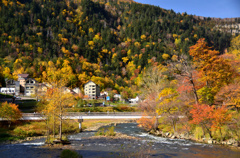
(229, 143)
(23, 130)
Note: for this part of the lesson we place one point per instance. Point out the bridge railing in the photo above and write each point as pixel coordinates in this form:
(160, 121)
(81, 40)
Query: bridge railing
(104, 113)
(89, 114)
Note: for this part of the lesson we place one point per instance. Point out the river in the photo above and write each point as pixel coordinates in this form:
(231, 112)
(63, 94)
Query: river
(145, 146)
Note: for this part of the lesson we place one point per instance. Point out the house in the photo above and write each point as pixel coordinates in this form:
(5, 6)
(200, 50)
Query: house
(31, 87)
(77, 90)
(10, 83)
(134, 100)
(117, 97)
(91, 89)
(22, 80)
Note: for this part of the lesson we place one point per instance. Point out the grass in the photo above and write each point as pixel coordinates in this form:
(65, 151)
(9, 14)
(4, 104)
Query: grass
(94, 123)
(25, 129)
(6, 136)
(103, 132)
(69, 154)
(2, 95)
(119, 108)
(27, 105)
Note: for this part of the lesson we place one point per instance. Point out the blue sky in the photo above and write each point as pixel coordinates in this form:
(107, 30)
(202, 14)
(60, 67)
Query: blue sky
(206, 8)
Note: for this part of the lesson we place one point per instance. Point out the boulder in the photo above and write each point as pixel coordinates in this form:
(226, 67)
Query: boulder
(230, 141)
(236, 144)
(210, 141)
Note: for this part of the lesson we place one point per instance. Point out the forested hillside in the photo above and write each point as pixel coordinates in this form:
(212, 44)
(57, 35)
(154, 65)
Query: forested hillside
(108, 41)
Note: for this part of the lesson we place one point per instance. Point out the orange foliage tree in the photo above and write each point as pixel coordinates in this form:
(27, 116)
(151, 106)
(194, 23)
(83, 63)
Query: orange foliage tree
(221, 116)
(210, 118)
(229, 95)
(202, 115)
(10, 112)
(215, 70)
(146, 122)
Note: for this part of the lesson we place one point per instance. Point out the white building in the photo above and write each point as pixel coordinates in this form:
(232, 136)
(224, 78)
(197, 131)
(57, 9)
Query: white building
(134, 100)
(6, 90)
(91, 89)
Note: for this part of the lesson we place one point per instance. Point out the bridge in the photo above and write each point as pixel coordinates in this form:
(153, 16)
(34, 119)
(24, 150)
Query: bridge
(87, 115)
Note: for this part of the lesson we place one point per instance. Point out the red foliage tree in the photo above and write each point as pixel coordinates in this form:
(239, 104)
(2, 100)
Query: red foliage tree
(202, 115)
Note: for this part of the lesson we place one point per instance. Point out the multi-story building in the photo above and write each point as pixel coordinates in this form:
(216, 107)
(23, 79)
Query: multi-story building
(10, 83)
(92, 90)
(30, 87)
(24, 85)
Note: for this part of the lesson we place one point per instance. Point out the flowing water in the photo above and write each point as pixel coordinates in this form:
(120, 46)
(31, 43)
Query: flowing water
(145, 146)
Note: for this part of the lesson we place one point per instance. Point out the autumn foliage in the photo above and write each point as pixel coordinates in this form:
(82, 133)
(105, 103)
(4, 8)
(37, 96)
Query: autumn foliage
(10, 112)
(210, 118)
(146, 122)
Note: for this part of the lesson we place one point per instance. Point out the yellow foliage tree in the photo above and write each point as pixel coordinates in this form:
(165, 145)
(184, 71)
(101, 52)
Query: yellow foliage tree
(54, 106)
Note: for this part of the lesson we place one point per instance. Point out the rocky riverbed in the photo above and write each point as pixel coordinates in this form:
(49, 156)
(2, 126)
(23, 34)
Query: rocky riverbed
(131, 142)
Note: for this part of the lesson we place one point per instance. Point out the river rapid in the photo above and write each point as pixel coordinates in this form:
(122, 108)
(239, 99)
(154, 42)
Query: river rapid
(144, 146)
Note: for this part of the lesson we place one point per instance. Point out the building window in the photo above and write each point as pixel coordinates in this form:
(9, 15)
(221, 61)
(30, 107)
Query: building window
(32, 87)
(27, 92)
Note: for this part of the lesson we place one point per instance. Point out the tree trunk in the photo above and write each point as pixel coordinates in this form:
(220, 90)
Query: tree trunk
(173, 124)
(194, 91)
(60, 126)
(156, 122)
(48, 137)
(53, 126)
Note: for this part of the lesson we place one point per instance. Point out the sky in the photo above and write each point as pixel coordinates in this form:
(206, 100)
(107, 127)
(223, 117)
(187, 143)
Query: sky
(206, 8)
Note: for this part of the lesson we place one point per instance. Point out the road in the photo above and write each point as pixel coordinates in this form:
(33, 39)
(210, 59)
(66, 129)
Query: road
(91, 115)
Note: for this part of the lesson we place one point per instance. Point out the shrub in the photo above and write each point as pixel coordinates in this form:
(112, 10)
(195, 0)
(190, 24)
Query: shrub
(198, 133)
(100, 132)
(109, 132)
(69, 154)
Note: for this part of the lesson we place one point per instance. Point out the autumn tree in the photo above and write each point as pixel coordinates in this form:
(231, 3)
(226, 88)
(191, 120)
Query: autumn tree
(169, 106)
(57, 99)
(10, 112)
(215, 71)
(153, 81)
(210, 118)
(221, 116)
(55, 104)
(229, 95)
(181, 67)
(202, 115)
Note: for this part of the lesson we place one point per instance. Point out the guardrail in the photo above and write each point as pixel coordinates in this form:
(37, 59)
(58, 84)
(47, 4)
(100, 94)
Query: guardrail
(85, 115)
(88, 114)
